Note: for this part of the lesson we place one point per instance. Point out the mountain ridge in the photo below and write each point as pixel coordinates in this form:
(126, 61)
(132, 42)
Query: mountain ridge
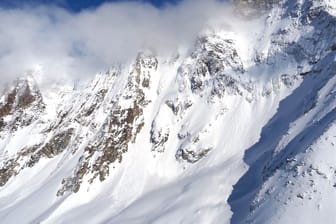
(200, 137)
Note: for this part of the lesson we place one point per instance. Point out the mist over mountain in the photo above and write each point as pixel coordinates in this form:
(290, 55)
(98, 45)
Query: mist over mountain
(192, 112)
(80, 44)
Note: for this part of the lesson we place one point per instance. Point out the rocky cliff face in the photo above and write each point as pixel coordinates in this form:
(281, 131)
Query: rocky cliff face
(99, 122)
(221, 116)
(120, 116)
(20, 105)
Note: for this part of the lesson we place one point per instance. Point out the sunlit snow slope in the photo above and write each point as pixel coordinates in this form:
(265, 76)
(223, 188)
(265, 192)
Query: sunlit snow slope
(238, 129)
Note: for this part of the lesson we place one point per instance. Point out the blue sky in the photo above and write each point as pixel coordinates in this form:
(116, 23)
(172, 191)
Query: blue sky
(76, 5)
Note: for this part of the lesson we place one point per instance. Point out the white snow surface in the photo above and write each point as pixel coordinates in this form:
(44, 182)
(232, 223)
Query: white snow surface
(271, 135)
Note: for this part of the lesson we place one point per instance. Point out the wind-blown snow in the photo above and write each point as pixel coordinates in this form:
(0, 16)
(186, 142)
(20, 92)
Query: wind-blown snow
(244, 134)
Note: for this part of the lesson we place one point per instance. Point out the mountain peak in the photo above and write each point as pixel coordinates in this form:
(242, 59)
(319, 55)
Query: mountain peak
(238, 128)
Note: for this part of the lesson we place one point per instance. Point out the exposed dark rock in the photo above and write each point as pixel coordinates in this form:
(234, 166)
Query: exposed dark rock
(26, 98)
(120, 128)
(145, 83)
(2, 124)
(174, 106)
(99, 97)
(6, 108)
(33, 154)
(23, 97)
(158, 137)
(192, 156)
(56, 144)
(215, 60)
(73, 183)
(7, 171)
(288, 80)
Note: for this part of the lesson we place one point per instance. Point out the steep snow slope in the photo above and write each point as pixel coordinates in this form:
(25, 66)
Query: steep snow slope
(283, 183)
(238, 128)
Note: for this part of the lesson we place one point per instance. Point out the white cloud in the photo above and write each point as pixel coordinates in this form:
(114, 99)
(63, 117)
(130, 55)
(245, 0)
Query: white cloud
(81, 44)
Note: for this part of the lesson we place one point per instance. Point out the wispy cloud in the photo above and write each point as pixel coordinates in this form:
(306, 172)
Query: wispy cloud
(80, 44)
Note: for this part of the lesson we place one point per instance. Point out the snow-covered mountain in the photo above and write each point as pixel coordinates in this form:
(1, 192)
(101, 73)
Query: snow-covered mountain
(238, 129)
